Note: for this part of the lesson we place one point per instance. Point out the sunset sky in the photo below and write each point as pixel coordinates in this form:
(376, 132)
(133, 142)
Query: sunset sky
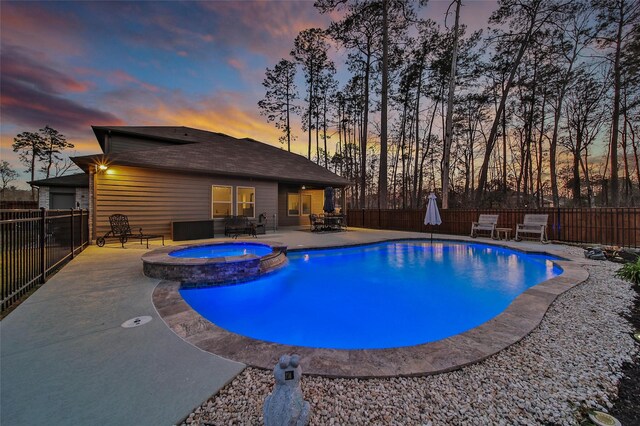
(201, 64)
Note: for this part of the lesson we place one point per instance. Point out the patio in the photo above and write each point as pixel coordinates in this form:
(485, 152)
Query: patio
(66, 360)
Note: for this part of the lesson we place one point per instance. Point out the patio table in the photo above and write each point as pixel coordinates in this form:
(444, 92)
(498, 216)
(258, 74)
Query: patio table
(503, 233)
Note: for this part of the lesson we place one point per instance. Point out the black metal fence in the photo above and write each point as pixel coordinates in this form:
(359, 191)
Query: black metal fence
(610, 226)
(33, 244)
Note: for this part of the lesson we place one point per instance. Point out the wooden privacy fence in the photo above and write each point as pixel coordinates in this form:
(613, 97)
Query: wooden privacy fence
(34, 243)
(609, 226)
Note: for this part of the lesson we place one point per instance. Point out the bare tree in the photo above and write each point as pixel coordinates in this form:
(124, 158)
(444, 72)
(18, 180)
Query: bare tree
(7, 174)
(54, 143)
(525, 20)
(617, 18)
(449, 120)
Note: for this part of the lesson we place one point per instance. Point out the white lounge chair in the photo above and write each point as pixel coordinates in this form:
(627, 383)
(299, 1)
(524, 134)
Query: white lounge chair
(486, 222)
(533, 224)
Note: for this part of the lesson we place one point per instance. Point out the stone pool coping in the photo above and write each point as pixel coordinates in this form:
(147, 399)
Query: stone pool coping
(520, 318)
(213, 271)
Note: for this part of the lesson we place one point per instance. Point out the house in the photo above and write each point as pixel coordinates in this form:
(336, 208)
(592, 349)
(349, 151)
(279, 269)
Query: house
(159, 175)
(63, 192)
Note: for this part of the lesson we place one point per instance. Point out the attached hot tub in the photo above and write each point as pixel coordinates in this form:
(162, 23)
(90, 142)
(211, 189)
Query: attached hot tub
(208, 265)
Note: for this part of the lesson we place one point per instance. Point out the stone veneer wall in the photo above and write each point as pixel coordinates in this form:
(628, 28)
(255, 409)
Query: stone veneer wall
(43, 197)
(82, 198)
(193, 273)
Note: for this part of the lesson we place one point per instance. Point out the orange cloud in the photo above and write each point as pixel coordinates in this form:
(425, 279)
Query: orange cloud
(221, 114)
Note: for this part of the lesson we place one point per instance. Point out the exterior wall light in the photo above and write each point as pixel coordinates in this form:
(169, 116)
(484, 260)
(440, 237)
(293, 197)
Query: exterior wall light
(103, 167)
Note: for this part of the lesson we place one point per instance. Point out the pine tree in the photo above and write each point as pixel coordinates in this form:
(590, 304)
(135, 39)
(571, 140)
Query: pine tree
(278, 102)
(31, 147)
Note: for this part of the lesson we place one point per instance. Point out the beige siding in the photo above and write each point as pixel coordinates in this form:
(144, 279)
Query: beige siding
(317, 202)
(154, 198)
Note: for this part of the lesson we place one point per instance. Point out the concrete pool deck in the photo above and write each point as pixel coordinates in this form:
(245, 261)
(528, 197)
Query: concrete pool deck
(66, 360)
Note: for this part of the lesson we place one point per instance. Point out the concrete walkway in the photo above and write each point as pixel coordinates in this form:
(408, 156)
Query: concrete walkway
(65, 360)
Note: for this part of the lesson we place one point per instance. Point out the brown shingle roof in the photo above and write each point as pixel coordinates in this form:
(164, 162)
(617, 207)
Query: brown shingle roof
(79, 180)
(216, 153)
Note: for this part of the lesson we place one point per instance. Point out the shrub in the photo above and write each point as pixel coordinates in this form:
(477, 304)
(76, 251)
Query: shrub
(630, 272)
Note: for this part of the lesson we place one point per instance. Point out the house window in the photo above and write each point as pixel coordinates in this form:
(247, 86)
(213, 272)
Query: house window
(306, 204)
(246, 201)
(221, 201)
(293, 204)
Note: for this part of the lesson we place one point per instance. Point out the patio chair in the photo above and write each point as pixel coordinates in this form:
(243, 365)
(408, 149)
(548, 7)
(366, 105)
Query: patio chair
(236, 225)
(121, 230)
(261, 226)
(533, 224)
(486, 222)
(317, 223)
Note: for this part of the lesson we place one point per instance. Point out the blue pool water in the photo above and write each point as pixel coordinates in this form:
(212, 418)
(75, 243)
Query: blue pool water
(222, 250)
(377, 296)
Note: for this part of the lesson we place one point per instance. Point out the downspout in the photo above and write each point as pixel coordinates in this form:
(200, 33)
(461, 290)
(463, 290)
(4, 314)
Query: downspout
(92, 203)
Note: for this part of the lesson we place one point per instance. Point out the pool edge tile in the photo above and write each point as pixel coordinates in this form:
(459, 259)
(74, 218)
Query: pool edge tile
(520, 318)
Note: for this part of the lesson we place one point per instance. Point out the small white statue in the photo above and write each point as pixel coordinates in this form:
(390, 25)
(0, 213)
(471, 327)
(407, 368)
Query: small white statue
(285, 406)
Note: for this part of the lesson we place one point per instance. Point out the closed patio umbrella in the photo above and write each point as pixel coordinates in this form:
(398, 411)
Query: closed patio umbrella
(329, 200)
(433, 215)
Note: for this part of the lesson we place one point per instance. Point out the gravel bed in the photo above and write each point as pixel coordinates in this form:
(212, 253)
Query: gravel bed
(572, 362)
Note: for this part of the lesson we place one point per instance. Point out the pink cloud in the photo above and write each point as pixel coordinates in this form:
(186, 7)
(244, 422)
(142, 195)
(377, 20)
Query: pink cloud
(266, 28)
(31, 24)
(23, 105)
(121, 78)
(29, 68)
(236, 64)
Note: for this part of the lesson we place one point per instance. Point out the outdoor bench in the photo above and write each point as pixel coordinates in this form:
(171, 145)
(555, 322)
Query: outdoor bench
(533, 224)
(486, 222)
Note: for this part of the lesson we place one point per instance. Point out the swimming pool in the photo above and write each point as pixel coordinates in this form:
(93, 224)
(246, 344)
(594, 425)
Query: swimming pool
(383, 295)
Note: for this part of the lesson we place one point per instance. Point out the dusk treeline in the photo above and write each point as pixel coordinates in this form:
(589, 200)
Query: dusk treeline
(544, 109)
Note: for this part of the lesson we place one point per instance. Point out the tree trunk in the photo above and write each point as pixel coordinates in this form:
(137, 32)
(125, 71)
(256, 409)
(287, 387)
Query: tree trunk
(417, 131)
(615, 116)
(504, 151)
(363, 137)
(449, 122)
(484, 169)
(311, 88)
(324, 124)
(288, 122)
(482, 181)
(575, 188)
(317, 126)
(382, 176)
(540, 154)
(635, 151)
(33, 170)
